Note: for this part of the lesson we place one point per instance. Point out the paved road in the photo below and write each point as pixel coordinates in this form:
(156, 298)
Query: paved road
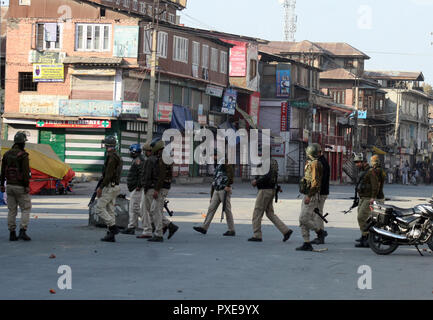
(194, 266)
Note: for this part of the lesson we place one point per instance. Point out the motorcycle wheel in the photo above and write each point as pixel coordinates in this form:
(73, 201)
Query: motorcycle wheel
(376, 242)
(430, 243)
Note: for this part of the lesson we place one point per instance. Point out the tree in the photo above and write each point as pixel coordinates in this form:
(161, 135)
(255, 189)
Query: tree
(428, 89)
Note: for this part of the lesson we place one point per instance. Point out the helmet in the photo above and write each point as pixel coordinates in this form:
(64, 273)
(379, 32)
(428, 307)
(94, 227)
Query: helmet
(135, 148)
(358, 157)
(313, 151)
(375, 160)
(20, 137)
(158, 146)
(109, 141)
(147, 147)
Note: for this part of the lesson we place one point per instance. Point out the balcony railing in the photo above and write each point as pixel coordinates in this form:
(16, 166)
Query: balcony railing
(323, 139)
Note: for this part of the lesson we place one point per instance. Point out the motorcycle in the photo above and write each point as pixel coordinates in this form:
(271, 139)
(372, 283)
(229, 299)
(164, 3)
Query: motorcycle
(390, 227)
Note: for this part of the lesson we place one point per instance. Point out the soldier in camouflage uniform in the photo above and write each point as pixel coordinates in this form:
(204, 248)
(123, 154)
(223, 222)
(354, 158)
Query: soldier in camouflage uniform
(223, 179)
(310, 187)
(15, 171)
(133, 181)
(157, 179)
(367, 188)
(109, 189)
(381, 176)
(264, 202)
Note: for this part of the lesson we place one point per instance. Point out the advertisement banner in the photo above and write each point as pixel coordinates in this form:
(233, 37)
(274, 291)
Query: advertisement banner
(92, 108)
(283, 83)
(202, 119)
(283, 121)
(40, 104)
(125, 41)
(215, 91)
(229, 101)
(238, 58)
(86, 124)
(254, 108)
(164, 112)
(131, 107)
(48, 72)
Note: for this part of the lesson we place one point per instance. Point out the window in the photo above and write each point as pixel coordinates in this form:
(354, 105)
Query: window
(162, 43)
(135, 5)
(348, 63)
(48, 36)
(223, 62)
(143, 7)
(164, 16)
(253, 69)
(195, 53)
(25, 82)
(126, 3)
(93, 37)
(150, 10)
(339, 96)
(171, 18)
(180, 49)
(205, 57)
(214, 59)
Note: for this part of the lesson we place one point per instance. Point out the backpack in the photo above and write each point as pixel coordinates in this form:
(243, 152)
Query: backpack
(13, 170)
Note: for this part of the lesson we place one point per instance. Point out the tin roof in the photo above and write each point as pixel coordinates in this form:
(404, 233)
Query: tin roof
(395, 75)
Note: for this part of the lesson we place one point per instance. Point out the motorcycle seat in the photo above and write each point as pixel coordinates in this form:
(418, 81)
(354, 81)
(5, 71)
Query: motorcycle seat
(402, 212)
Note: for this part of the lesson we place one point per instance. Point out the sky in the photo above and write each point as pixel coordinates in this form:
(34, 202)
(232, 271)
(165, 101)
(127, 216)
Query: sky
(396, 34)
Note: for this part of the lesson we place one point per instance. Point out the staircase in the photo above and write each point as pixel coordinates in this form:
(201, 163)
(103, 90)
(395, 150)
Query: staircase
(350, 169)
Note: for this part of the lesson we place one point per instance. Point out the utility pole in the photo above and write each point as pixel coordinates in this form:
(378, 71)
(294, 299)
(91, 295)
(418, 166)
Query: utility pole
(397, 117)
(153, 64)
(355, 129)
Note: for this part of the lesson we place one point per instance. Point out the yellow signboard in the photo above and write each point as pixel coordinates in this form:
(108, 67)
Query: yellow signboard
(48, 72)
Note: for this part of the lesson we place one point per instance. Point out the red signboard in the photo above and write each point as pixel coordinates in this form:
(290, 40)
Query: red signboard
(164, 112)
(283, 126)
(83, 124)
(238, 58)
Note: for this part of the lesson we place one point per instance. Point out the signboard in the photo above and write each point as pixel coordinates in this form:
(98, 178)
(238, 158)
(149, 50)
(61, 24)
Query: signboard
(202, 119)
(254, 107)
(125, 41)
(215, 91)
(277, 150)
(87, 124)
(164, 112)
(92, 108)
(48, 72)
(40, 104)
(301, 105)
(361, 114)
(238, 58)
(46, 57)
(229, 101)
(131, 107)
(283, 83)
(283, 121)
(93, 72)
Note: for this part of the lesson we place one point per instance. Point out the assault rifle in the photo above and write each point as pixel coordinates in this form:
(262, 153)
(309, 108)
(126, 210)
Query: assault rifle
(92, 199)
(323, 217)
(170, 213)
(277, 190)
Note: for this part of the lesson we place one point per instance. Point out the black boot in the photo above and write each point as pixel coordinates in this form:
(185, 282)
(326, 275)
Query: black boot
(305, 247)
(112, 231)
(363, 243)
(23, 236)
(156, 239)
(172, 228)
(287, 235)
(229, 234)
(13, 236)
(320, 237)
(200, 229)
(128, 231)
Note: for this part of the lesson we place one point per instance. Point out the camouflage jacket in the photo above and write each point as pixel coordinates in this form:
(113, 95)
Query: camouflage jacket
(368, 183)
(313, 176)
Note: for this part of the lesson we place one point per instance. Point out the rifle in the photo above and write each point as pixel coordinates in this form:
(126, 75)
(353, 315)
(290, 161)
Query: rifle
(277, 190)
(355, 203)
(170, 213)
(323, 217)
(92, 199)
(224, 205)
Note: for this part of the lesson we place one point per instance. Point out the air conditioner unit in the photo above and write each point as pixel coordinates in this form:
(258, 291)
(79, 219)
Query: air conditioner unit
(205, 74)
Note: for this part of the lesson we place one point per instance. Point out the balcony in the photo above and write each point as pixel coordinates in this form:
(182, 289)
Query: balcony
(323, 139)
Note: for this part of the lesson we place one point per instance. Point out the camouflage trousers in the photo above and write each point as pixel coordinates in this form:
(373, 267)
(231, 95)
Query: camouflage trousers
(307, 219)
(18, 197)
(363, 214)
(264, 203)
(155, 208)
(105, 205)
